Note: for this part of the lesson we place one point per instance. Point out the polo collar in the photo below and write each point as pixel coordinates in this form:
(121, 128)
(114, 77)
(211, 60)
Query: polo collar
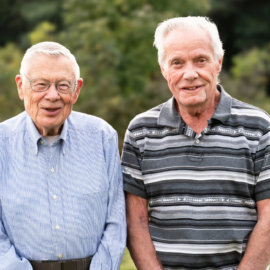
(223, 110)
(169, 116)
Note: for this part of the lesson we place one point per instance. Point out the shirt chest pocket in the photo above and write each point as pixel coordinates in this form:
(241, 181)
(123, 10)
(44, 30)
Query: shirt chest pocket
(88, 216)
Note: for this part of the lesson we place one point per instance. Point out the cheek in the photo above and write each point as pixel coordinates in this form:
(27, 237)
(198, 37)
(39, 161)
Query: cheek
(67, 101)
(68, 104)
(210, 74)
(31, 103)
(173, 77)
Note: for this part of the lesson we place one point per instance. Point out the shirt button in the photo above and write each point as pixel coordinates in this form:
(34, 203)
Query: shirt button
(197, 141)
(55, 197)
(64, 152)
(41, 142)
(57, 227)
(52, 169)
(60, 256)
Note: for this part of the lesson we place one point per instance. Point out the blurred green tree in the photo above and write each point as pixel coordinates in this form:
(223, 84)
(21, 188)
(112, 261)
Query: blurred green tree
(242, 24)
(251, 77)
(10, 59)
(18, 17)
(113, 43)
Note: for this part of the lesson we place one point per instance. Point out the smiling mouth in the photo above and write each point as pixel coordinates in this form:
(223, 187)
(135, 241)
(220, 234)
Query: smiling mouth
(192, 88)
(51, 110)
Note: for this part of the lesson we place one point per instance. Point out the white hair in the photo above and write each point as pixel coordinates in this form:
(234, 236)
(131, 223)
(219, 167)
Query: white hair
(52, 49)
(187, 23)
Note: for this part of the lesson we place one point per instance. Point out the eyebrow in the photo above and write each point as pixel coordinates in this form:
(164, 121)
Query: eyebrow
(175, 58)
(170, 60)
(202, 56)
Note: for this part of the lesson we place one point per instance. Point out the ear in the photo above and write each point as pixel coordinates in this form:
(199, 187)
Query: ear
(219, 65)
(19, 83)
(77, 90)
(163, 71)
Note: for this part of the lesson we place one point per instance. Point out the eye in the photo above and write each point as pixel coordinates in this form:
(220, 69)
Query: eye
(176, 63)
(39, 82)
(202, 60)
(64, 85)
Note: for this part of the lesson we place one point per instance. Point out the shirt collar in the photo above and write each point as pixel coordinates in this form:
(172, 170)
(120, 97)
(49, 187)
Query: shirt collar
(223, 110)
(35, 136)
(169, 116)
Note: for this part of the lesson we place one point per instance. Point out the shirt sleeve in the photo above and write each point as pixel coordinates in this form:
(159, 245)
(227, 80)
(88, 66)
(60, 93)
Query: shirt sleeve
(131, 167)
(113, 242)
(262, 167)
(8, 257)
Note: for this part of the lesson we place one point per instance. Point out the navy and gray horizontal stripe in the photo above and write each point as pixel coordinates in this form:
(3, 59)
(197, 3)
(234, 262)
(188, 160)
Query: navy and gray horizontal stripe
(202, 190)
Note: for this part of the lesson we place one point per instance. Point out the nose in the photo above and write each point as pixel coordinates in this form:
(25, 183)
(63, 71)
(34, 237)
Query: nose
(52, 93)
(190, 72)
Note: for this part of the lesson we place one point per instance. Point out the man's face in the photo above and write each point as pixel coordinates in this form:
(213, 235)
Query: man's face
(190, 68)
(48, 109)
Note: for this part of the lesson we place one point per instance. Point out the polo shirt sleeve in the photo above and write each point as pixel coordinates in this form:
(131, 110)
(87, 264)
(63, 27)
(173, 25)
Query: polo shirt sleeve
(131, 166)
(262, 167)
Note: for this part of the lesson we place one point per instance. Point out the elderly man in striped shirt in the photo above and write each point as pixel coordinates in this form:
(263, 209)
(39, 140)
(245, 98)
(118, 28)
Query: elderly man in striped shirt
(197, 168)
(62, 203)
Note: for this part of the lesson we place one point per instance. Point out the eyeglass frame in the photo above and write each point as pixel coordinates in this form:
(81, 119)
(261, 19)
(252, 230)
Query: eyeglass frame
(55, 83)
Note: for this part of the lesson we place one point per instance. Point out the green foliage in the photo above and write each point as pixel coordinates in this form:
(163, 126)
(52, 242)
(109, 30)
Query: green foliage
(10, 59)
(251, 72)
(242, 25)
(113, 43)
(44, 31)
(18, 17)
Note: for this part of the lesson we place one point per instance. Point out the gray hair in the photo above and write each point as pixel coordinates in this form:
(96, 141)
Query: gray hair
(52, 49)
(187, 23)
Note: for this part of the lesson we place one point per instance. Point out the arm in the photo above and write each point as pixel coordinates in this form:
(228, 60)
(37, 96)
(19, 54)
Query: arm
(139, 241)
(257, 255)
(113, 242)
(8, 257)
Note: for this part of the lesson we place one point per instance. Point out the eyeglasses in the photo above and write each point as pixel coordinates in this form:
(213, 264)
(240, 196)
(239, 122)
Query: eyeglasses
(42, 85)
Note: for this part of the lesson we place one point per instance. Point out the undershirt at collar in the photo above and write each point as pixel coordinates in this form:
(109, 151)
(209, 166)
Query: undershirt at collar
(51, 139)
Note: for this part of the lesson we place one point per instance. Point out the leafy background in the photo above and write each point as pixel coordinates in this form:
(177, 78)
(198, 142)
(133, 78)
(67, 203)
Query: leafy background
(112, 41)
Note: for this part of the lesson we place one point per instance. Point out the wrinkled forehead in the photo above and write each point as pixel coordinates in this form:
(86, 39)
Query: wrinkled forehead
(44, 66)
(185, 41)
(186, 36)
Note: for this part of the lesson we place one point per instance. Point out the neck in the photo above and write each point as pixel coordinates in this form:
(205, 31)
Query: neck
(49, 131)
(196, 118)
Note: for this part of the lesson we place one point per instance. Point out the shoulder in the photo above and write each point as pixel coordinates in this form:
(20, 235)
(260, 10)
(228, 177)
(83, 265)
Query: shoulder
(250, 113)
(86, 123)
(13, 125)
(146, 119)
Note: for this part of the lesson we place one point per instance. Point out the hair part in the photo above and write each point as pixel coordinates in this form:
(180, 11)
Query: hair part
(51, 49)
(187, 23)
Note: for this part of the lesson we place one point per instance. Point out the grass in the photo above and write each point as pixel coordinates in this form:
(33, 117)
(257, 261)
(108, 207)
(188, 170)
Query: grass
(127, 263)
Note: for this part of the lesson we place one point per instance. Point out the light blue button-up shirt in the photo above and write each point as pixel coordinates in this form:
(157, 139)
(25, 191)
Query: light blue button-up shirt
(65, 201)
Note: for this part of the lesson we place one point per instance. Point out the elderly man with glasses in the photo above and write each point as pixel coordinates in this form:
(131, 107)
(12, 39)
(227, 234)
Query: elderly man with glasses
(61, 195)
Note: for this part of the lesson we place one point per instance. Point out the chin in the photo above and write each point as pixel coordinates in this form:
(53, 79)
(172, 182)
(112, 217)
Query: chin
(193, 103)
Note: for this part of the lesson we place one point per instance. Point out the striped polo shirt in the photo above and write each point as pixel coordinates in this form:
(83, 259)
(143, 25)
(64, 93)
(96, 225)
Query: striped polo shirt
(202, 189)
